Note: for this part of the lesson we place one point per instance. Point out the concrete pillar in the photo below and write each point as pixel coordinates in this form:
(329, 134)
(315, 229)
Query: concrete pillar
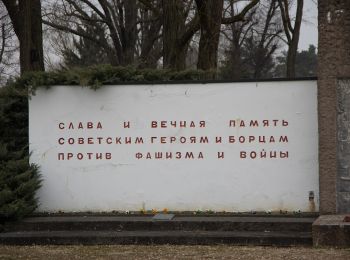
(334, 110)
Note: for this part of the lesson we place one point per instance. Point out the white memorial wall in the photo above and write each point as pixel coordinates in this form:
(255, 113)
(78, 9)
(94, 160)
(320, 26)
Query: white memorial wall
(231, 147)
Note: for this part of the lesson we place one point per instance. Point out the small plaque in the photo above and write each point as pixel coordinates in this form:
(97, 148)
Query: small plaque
(162, 216)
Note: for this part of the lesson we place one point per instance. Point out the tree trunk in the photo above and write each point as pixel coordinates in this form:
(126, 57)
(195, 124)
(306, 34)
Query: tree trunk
(291, 57)
(174, 55)
(150, 29)
(30, 38)
(27, 24)
(130, 31)
(293, 39)
(210, 15)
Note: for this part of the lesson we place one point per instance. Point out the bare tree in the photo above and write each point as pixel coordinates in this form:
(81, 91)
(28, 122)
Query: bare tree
(176, 32)
(265, 39)
(120, 17)
(292, 32)
(26, 20)
(8, 47)
(252, 42)
(210, 16)
(149, 43)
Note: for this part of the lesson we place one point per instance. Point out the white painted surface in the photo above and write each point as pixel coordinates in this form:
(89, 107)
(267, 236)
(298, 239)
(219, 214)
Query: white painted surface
(128, 183)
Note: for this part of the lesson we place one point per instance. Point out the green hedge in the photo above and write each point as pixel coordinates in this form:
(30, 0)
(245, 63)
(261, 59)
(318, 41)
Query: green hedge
(96, 76)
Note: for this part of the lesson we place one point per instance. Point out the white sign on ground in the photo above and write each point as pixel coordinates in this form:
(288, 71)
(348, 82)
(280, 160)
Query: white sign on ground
(184, 147)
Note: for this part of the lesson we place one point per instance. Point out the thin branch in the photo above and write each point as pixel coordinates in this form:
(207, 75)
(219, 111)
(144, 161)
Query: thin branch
(285, 21)
(241, 15)
(3, 41)
(69, 29)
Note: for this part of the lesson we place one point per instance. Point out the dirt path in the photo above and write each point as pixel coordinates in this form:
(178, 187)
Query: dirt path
(170, 252)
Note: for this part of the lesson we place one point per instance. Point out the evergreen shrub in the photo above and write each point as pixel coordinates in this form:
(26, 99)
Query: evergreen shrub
(19, 180)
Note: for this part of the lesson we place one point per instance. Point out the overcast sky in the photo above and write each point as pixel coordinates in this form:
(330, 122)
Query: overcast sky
(309, 34)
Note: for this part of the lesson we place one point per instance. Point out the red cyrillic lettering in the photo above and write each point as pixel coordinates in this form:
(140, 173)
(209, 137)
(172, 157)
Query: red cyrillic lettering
(163, 140)
(204, 140)
(182, 123)
(254, 123)
(284, 139)
(284, 154)
(127, 124)
(182, 139)
(139, 140)
(262, 139)
(253, 155)
(193, 139)
(90, 140)
(178, 155)
(189, 155)
(61, 156)
(241, 139)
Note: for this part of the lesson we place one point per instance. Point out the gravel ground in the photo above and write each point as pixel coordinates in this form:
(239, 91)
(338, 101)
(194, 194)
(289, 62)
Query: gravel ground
(170, 252)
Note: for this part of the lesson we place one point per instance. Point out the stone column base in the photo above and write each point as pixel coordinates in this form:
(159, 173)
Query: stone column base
(331, 231)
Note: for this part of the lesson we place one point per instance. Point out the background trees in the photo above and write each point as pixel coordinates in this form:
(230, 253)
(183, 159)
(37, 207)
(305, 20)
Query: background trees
(252, 43)
(305, 63)
(238, 38)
